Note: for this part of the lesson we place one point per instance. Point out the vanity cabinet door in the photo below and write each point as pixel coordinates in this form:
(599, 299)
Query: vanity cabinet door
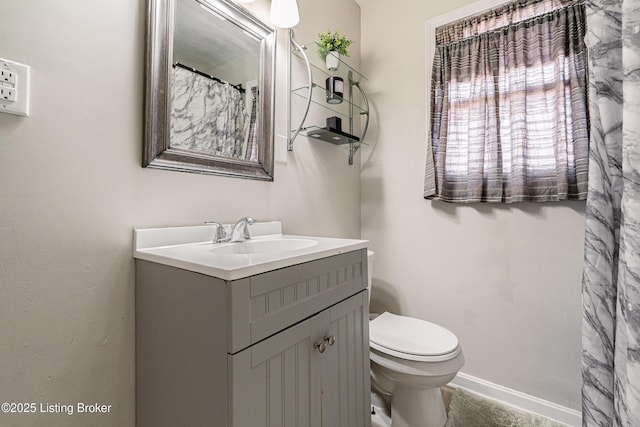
(273, 383)
(346, 396)
(292, 380)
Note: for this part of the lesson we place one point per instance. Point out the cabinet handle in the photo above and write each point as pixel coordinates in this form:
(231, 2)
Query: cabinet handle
(321, 346)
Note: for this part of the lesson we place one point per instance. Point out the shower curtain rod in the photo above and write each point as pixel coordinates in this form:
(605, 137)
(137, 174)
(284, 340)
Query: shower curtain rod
(186, 67)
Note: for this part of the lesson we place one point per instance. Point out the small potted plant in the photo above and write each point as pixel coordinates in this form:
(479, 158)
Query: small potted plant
(331, 46)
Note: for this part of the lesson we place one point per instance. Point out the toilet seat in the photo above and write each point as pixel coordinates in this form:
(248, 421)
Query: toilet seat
(412, 339)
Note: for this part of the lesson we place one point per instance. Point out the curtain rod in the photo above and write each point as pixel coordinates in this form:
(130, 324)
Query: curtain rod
(509, 7)
(200, 73)
(493, 13)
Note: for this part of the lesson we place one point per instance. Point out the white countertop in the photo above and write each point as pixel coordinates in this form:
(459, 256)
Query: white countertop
(191, 248)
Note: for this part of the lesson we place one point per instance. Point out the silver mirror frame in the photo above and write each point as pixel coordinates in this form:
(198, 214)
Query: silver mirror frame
(159, 53)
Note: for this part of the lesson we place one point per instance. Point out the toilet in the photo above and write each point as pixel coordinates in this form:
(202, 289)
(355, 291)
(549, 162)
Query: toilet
(410, 360)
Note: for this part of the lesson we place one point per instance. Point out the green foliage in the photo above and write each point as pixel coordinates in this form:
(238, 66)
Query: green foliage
(335, 41)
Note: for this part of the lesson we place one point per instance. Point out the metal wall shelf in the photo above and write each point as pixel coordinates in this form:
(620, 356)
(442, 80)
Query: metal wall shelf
(316, 94)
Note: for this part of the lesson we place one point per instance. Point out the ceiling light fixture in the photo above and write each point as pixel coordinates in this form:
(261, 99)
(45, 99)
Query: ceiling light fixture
(284, 13)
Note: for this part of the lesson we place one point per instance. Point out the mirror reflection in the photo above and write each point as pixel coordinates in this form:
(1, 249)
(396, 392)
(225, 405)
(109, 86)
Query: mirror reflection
(215, 72)
(209, 103)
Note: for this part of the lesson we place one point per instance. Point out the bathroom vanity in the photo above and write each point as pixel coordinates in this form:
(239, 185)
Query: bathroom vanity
(270, 332)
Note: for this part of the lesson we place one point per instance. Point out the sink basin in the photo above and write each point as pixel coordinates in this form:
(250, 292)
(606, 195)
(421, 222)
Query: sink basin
(251, 247)
(190, 248)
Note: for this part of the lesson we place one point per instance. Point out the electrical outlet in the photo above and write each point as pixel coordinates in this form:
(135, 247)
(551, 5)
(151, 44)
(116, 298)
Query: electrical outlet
(7, 76)
(280, 149)
(14, 88)
(7, 94)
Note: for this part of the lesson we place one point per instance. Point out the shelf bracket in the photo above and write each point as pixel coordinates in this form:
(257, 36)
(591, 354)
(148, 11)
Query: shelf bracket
(354, 146)
(300, 48)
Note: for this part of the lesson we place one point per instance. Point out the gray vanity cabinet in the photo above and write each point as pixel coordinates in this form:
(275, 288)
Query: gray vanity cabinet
(286, 348)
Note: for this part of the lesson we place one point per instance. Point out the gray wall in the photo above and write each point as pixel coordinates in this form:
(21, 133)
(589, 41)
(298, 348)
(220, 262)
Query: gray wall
(72, 190)
(505, 279)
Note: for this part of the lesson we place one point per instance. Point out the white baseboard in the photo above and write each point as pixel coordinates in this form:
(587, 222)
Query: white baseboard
(520, 400)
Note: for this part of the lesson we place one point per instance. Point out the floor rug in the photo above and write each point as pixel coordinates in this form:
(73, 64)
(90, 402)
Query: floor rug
(471, 410)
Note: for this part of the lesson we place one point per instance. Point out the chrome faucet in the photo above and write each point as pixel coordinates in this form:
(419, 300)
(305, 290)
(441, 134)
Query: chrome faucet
(239, 231)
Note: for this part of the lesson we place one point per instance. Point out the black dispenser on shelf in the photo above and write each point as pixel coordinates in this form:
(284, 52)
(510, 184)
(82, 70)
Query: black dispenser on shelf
(334, 124)
(335, 89)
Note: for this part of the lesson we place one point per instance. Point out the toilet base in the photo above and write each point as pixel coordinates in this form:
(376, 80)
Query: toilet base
(380, 412)
(413, 407)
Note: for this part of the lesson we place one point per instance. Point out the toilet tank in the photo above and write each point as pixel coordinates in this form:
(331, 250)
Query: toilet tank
(370, 257)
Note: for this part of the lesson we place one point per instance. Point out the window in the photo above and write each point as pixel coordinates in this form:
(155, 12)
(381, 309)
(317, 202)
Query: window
(509, 115)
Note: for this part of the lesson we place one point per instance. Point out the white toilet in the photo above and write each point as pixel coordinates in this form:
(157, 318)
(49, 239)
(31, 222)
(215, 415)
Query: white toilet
(411, 359)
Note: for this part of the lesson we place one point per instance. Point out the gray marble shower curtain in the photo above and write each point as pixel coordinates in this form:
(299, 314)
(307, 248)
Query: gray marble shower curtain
(208, 117)
(611, 282)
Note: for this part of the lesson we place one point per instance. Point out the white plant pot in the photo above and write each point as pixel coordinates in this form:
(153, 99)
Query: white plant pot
(333, 60)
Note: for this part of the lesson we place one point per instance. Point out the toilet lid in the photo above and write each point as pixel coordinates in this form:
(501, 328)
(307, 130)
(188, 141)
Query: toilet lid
(411, 336)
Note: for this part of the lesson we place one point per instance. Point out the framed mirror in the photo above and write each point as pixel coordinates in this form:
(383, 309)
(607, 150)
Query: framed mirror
(209, 103)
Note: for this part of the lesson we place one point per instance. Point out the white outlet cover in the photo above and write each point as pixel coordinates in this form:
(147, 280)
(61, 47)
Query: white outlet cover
(280, 149)
(20, 106)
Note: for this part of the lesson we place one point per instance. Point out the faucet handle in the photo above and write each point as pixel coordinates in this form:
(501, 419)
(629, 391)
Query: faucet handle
(220, 233)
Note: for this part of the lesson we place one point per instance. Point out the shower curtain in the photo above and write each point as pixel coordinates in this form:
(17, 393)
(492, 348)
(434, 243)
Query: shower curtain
(207, 116)
(611, 281)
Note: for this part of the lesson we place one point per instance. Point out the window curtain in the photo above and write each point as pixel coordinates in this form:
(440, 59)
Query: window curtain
(611, 279)
(509, 118)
